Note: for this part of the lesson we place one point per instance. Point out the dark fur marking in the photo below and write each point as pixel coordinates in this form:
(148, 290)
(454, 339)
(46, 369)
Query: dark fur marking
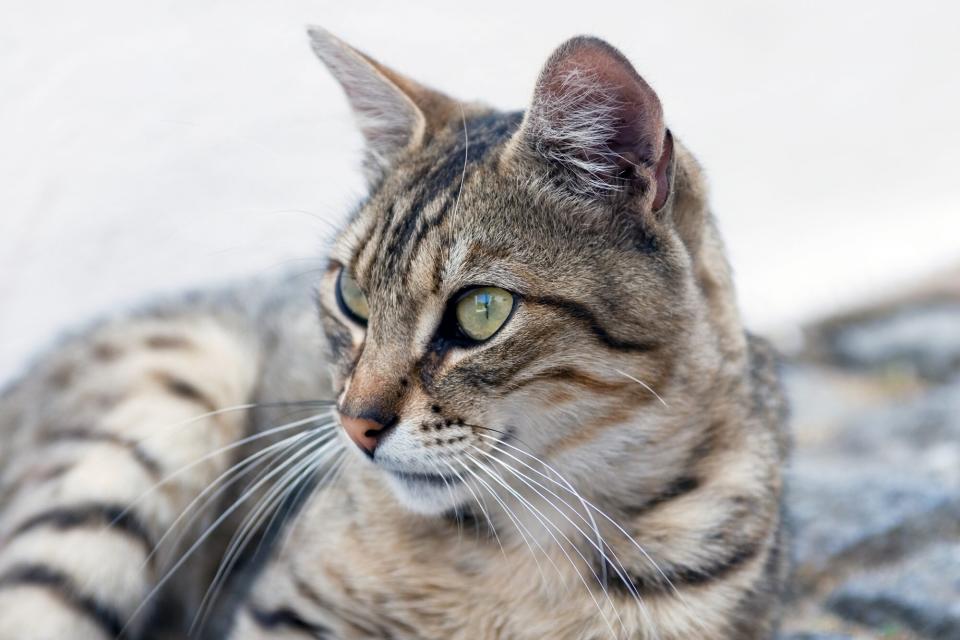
(63, 375)
(113, 516)
(679, 487)
(566, 374)
(287, 617)
(163, 341)
(61, 585)
(106, 352)
(483, 133)
(689, 576)
(184, 389)
(374, 228)
(581, 313)
(150, 464)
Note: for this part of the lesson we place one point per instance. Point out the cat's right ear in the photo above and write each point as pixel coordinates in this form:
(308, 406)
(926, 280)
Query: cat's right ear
(393, 112)
(599, 124)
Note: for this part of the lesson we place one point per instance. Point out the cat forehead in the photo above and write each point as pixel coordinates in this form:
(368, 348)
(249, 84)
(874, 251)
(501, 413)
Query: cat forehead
(450, 189)
(463, 209)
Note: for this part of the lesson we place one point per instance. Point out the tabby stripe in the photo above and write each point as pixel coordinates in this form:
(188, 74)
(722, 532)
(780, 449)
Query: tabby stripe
(570, 375)
(443, 179)
(88, 515)
(358, 621)
(61, 585)
(580, 312)
(182, 388)
(148, 462)
(400, 234)
(426, 225)
(677, 488)
(374, 230)
(286, 617)
(686, 576)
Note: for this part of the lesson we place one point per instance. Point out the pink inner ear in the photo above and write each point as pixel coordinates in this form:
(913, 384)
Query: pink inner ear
(662, 179)
(599, 114)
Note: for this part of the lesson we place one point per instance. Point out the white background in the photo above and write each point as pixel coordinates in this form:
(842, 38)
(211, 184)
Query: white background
(148, 146)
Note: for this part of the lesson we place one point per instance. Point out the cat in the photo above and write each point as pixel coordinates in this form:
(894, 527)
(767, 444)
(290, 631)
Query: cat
(532, 410)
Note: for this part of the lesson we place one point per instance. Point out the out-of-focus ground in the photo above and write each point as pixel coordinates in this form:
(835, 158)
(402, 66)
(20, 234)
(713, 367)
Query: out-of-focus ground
(875, 480)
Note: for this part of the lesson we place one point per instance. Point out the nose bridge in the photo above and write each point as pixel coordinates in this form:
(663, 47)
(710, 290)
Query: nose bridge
(377, 386)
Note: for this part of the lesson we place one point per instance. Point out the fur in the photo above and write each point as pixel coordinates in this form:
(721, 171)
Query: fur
(607, 465)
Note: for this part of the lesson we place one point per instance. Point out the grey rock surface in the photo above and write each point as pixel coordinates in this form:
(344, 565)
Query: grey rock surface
(922, 337)
(853, 513)
(874, 485)
(922, 594)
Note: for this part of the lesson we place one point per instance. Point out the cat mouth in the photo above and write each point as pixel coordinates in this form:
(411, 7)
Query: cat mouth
(431, 479)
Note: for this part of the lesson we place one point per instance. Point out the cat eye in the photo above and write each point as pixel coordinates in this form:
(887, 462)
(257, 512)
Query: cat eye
(482, 311)
(352, 300)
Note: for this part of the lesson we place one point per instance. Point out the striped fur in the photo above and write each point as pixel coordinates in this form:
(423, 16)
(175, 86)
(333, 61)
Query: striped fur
(608, 465)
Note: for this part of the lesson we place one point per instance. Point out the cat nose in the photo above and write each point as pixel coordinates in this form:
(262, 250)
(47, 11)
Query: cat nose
(364, 432)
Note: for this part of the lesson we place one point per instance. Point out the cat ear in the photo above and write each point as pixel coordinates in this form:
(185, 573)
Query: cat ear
(393, 112)
(594, 118)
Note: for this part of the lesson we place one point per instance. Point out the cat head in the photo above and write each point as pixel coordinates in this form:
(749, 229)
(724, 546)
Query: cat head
(543, 284)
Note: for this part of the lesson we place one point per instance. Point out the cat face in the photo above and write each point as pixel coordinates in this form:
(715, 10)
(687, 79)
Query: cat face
(515, 285)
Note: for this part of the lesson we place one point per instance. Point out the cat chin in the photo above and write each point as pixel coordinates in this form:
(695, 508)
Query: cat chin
(429, 498)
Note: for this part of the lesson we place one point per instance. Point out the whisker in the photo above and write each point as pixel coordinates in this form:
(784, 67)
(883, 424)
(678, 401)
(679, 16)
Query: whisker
(466, 158)
(328, 481)
(645, 386)
(207, 533)
(264, 506)
(269, 503)
(453, 500)
(613, 561)
(547, 525)
(590, 521)
(521, 529)
(596, 509)
(479, 502)
(163, 431)
(233, 445)
(241, 469)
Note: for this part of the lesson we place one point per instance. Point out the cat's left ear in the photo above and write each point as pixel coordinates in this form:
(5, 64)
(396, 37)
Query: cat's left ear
(599, 124)
(394, 113)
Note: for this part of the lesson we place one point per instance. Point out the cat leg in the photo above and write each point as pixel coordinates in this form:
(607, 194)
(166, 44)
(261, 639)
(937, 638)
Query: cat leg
(106, 443)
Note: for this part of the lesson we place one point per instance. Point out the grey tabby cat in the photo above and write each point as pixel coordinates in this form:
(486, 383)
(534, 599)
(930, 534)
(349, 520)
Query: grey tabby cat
(544, 418)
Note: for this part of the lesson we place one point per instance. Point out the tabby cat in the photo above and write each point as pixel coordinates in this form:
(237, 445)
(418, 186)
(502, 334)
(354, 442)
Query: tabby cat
(536, 413)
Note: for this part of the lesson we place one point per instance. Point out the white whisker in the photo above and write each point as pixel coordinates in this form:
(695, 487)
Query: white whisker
(270, 503)
(547, 525)
(224, 449)
(241, 469)
(480, 504)
(521, 529)
(595, 508)
(645, 386)
(613, 561)
(208, 532)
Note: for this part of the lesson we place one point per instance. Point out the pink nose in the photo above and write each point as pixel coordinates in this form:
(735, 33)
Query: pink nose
(365, 433)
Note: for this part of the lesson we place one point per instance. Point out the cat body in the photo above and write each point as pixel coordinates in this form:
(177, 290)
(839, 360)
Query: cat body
(545, 418)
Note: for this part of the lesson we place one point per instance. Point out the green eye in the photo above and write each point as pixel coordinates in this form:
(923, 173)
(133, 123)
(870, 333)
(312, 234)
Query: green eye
(352, 300)
(481, 312)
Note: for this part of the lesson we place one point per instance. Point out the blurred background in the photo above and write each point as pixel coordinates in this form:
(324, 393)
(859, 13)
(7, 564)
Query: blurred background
(145, 147)
(148, 147)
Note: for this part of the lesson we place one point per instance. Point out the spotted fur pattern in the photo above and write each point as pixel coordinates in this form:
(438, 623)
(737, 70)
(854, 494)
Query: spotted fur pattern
(607, 465)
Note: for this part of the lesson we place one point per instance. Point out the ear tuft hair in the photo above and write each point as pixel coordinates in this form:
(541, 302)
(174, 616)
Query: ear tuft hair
(596, 119)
